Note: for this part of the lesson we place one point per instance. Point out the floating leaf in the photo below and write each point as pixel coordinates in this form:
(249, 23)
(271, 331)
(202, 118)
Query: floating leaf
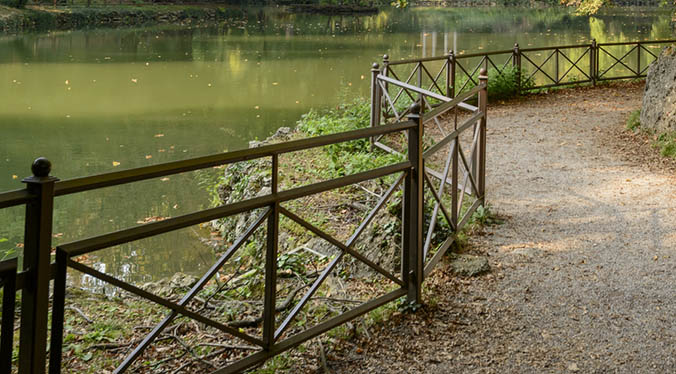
(134, 80)
(159, 135)
(149, 157)
(164, 179)
(15, 176)
(115, 163)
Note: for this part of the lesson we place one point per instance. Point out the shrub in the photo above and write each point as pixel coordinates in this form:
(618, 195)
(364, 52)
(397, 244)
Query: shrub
(502, 84)
(348, 157)
(505, 84)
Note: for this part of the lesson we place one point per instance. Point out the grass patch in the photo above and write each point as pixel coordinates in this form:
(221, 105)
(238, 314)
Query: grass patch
(634, 120)
(666, 143)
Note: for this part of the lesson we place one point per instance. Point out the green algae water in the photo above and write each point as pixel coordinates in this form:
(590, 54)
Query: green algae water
(95, 101)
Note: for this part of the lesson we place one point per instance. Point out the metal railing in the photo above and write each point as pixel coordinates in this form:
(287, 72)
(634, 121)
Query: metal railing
(417, 258)
(452, 74)
(387, 91)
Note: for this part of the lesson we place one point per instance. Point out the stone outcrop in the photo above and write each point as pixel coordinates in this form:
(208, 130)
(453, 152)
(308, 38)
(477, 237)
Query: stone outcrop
(658, 112)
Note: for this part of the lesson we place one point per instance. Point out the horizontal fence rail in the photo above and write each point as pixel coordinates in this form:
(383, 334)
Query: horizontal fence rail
(533, 68)
(464, 171)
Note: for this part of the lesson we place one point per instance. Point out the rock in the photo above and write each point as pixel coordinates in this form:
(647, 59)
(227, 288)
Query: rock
(255, 144)
(658, 111)
(283, 133)
(526, 252)
(573, 367)
(469, 265)
(177, 285)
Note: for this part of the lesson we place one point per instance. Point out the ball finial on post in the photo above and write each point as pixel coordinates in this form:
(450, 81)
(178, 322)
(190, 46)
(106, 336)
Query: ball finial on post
(415, 109)
(483, 73)
(41, 167)
(375, 66)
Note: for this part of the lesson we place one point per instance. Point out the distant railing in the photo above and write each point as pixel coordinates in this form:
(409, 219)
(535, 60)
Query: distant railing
(452, 74)
(417, 259)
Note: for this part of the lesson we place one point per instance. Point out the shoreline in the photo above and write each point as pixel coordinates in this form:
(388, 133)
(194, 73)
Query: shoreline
(44, 18)
(41, 19)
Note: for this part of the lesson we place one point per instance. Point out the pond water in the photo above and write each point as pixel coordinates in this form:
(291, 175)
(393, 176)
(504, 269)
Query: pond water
(94, 101)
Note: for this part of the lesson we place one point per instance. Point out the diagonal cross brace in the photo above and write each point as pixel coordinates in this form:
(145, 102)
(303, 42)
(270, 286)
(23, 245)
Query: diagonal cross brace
(191, 294)
(325, 273)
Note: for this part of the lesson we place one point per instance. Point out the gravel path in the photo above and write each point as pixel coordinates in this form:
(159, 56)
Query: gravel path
(584, 267)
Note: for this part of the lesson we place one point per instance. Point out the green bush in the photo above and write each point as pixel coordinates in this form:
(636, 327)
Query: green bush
(502, 84)
(505, 84)
(348, 157)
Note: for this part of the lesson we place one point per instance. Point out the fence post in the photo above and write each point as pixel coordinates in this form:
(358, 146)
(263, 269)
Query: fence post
(385, 72)
(270, 298)
(638, 60)
(420, 83)
(36, 262)
(516, 63)
(412, 260)
(483, 103)
(375, 99)
(386, 65)
(592, 61)
(58, 307)
(556, 62)
(8, 275)
(450, 75)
